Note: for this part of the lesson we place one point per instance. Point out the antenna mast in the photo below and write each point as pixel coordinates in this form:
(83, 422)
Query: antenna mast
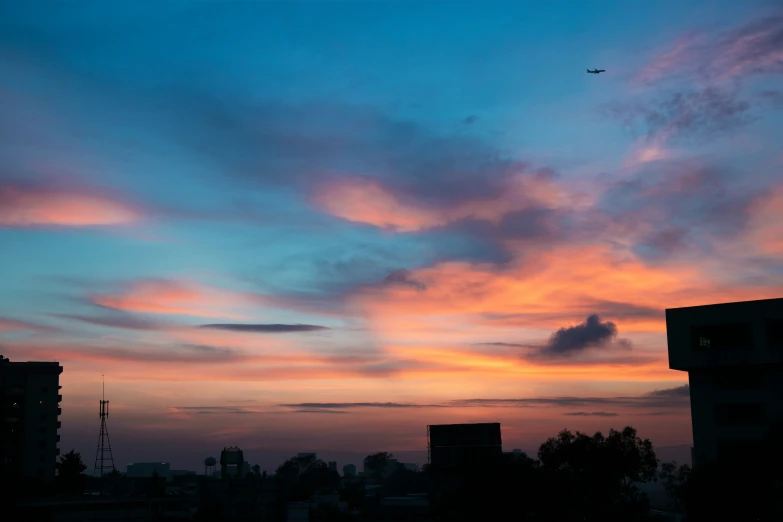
(104, 461)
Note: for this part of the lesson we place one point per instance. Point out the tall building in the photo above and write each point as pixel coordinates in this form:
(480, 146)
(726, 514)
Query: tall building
(29, 410)
(349, 470)
(453, 446)
(733, 354)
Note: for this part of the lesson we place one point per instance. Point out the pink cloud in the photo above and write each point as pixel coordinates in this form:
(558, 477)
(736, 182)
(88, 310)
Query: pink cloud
(752, 48)
(158, 296)
(363, 200)
(12, 325)
(24, 207)
(667, 62)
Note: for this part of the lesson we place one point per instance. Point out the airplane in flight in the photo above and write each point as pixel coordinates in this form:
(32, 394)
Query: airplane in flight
(596, 71)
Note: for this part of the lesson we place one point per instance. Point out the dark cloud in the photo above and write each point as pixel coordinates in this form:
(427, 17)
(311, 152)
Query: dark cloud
(537, 223)
(679, 391)
(402, 277)
(571, 340)
(265, 328)
(115, 320)
(505, 345)
(271, 143)
(614, 309)
(592, 414)
(684, 115)
(675, 207)
(667, 398)
(670, 398)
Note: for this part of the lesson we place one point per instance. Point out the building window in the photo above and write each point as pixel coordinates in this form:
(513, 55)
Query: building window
(722, 336)
(739, 414)
(774, 331)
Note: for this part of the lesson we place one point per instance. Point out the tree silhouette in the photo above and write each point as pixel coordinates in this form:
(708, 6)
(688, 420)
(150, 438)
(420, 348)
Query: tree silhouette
(70, 474)
(157, 487)
(303, 476)
(376, 465)
(594, 477)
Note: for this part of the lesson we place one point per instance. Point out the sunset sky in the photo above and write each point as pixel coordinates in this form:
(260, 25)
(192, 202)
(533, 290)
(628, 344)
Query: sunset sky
(322, 226)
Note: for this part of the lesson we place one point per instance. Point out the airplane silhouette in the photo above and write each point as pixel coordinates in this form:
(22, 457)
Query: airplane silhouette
(596, 71)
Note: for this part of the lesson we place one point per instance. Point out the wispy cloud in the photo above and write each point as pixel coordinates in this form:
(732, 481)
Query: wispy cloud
(318, 410)
(27, 206)
(115, 320)
(13, 325)
(179, 297)
(345, 405)
(266, 328)
(667, 398)
(699, 114)
(753, 48)
(591, 414)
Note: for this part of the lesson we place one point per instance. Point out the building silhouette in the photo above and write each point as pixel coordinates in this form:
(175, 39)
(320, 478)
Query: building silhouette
(733, 354)
(232, 463)
(148, 469)
(457, 446)
(29, 410)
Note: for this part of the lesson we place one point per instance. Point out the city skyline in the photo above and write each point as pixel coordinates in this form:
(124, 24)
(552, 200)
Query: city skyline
(323, 226)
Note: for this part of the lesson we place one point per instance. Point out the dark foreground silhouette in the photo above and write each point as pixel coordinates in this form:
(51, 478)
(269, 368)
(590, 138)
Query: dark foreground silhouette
(574, 477)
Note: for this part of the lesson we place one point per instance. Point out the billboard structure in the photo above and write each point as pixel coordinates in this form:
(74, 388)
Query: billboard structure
(454, 446)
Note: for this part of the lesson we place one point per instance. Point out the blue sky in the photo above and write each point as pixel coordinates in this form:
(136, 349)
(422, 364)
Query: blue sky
(436, 188)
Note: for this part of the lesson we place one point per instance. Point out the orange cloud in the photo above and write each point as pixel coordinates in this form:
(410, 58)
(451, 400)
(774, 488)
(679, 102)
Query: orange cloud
(20, 207)
(554, 287)
(363, 200)
(159, 296)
